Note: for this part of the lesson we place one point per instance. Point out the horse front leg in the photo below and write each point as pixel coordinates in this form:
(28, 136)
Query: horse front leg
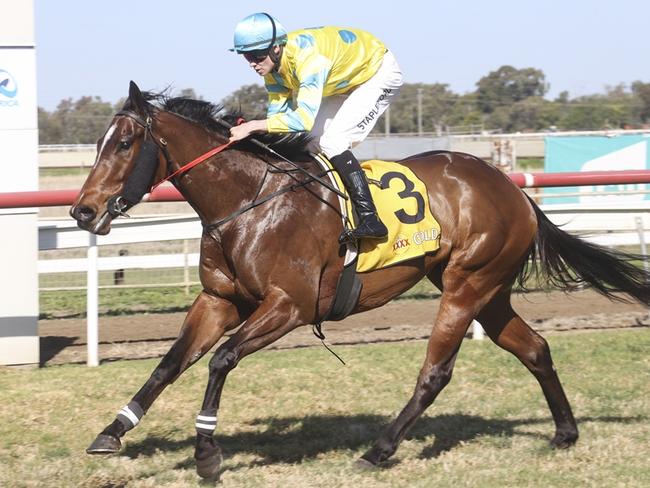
(276, 316)
(207, 320)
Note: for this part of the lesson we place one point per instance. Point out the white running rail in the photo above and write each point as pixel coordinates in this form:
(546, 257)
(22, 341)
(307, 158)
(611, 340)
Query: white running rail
(609, 225)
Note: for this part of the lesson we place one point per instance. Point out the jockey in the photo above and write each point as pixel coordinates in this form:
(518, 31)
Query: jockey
(331, 81)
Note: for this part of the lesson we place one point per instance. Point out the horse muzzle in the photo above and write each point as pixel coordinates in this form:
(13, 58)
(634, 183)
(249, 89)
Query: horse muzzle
(86, 218)
(83, 214)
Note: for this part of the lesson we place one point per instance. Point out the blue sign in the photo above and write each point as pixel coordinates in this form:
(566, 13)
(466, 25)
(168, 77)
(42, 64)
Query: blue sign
(596, 153)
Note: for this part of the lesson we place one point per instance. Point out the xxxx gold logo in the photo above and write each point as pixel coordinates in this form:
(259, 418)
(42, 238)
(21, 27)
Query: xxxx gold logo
(401, 244)
(422, 236)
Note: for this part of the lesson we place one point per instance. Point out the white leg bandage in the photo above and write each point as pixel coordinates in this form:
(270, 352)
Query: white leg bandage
(206, 422)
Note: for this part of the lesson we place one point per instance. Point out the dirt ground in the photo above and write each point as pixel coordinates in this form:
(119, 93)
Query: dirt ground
(151, 335)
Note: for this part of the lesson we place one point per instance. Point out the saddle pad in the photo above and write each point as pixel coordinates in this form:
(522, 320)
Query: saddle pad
(403, 206)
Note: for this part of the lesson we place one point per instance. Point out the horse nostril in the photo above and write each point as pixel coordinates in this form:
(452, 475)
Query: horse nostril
(83, 214)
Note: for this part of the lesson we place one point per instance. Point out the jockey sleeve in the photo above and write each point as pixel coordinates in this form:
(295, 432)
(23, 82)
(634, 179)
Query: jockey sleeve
(316, 63)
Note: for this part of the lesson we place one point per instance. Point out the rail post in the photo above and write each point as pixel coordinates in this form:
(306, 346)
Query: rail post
(92, 302)
(644, 248)
(477, 330)
(186, 266)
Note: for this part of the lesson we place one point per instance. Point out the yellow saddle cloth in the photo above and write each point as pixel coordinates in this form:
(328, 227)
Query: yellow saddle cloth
(403, 206)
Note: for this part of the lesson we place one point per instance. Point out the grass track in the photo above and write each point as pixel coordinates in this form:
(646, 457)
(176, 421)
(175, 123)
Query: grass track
(297, 418)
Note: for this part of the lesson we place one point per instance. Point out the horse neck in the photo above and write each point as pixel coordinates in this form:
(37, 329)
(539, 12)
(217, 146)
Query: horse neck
(219, 186)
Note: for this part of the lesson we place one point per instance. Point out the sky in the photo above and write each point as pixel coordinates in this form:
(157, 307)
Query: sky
(88, 47)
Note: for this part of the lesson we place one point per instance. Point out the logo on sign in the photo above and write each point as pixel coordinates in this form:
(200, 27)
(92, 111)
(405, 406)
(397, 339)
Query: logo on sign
(8, 89)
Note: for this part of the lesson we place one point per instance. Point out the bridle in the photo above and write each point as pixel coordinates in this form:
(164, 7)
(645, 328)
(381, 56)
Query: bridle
(147, 125)
(146, 163)
(140, 181)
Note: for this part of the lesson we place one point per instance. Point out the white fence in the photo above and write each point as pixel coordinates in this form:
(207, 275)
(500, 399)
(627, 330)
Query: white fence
(64, 234)
(610, 225)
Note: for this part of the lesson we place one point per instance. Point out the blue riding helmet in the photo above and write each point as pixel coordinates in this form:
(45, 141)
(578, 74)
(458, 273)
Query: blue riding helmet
(258, 31)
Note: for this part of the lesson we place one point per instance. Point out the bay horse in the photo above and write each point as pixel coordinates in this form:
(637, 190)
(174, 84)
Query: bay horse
(270, 259)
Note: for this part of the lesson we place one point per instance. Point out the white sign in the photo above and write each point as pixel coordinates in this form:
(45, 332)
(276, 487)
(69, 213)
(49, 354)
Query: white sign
(630, 157)
(18, 89)
(18, 158)
(16, 23)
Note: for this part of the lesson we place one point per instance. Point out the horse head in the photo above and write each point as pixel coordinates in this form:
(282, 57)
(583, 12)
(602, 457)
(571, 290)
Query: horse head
(131, 157)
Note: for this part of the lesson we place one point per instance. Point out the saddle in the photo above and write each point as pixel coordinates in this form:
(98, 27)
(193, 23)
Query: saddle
(402, 204)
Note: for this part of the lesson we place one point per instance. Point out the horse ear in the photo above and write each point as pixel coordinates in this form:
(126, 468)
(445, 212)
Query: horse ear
(137, 99)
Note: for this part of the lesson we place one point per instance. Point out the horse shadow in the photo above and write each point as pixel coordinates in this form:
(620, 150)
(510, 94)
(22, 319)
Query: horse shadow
(290, 440)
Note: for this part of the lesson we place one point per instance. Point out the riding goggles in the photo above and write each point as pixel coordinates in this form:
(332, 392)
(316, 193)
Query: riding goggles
(256, 56)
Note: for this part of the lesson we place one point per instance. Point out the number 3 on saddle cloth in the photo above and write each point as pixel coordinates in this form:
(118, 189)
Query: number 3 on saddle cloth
(402, 203)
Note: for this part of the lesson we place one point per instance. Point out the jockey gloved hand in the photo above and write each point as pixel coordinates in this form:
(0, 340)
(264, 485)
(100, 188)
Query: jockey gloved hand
(242, 131)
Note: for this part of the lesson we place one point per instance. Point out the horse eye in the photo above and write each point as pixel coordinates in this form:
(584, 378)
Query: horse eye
(125, 144)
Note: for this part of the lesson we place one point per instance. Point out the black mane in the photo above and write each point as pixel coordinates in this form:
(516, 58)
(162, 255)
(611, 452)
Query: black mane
(208, 115)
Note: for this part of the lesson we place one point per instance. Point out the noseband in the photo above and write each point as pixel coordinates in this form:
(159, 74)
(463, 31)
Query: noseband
(146, 163)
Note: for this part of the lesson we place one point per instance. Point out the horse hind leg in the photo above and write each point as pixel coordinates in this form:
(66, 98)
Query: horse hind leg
(433, 377)
(458, 307)
(207, 320)
(509, 331)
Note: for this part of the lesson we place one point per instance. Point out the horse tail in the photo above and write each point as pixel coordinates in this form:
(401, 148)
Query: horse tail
(568, 262)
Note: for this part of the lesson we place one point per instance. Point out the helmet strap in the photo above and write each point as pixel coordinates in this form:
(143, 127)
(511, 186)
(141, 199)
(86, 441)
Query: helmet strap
(275, 57)
(274, 30)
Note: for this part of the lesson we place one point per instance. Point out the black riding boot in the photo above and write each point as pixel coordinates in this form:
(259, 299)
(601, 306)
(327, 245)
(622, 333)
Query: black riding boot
(354, 179)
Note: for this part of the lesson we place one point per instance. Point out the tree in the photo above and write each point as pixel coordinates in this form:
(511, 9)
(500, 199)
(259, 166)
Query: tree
(642, 92)
(190, 93)
(88, 119)
(75, 122)
(466, 112)
(437, 104)
(249, 100)
(589, 112)
(82, 121)
(508, 85)
(617, 108)
(50, 129)
(563, 97)
(529, 114)
(507, 100)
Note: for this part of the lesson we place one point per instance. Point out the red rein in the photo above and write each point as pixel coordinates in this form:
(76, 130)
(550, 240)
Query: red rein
(188, 166)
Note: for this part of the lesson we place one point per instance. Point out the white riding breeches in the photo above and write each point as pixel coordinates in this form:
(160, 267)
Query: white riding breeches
(343, 121)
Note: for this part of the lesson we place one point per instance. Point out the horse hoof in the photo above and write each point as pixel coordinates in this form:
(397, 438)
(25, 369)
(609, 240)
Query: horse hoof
(377, 455)
(104, 444)
(564, 440)
(364, 465)
(209, 467)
